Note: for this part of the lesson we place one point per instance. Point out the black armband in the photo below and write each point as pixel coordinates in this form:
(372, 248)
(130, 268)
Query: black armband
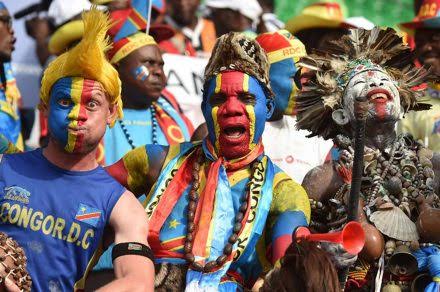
(136, 248)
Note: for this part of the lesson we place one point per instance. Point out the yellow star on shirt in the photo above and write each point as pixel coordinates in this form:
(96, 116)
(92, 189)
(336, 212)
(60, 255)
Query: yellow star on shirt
(174, 223)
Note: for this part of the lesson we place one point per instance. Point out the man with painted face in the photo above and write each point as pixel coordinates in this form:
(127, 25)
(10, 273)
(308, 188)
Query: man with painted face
(57, 202)
(10, 125)
(370, 75)
(151, 114)
(288, 147)
(221, 213)
(426, 31)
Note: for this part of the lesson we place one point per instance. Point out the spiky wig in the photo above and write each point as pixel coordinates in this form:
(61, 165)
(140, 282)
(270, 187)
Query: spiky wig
(87, 59)
(361, 50)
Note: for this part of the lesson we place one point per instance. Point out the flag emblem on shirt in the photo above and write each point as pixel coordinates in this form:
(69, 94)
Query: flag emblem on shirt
(88, 215)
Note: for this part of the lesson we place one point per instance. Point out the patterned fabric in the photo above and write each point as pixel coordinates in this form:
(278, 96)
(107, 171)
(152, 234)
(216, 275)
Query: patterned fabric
(166, 205)
(173, 128)
(135, 20)
(10, 98)
(126, 45)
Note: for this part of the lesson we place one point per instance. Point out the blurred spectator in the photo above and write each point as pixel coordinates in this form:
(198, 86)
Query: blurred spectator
(233, 15)
(426, 31)
(288, 147)
(40, 29)
(318, 23)
(269, 18)
(151, 114)
(10, 125)
(195, 35)
(69, 28)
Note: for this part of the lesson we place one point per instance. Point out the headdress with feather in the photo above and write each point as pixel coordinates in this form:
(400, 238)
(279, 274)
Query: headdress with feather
(331, 70)
(87, 60)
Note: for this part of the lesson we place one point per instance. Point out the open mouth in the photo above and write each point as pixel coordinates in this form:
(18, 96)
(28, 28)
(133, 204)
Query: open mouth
(379, 95)
(234, 132)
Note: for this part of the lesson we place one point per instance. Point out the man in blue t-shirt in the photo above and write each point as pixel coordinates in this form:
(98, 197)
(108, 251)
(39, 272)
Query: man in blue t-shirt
(57, 202)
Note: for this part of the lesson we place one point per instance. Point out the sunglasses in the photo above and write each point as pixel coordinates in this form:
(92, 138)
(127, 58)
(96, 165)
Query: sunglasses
(6, 19)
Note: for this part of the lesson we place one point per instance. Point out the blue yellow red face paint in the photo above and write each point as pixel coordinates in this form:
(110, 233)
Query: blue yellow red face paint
(234, 99)
(67, 111)
(141, 73)
(281, 75)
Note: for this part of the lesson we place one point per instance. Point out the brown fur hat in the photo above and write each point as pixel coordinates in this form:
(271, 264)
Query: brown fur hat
(235, 51)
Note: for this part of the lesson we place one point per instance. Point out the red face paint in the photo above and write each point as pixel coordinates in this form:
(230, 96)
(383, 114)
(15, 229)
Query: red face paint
(232, 116)
(380, 103)
(68, 112)
(86, 96)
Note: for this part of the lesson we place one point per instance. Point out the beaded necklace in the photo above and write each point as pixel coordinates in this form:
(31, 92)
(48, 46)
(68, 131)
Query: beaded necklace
(192, 206)
(153, 128)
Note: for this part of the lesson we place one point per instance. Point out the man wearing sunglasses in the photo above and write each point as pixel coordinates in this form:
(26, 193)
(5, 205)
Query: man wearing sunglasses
(9, 94)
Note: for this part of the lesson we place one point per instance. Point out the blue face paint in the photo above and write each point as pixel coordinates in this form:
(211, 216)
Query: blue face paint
(141, 73)
(252, 116)
(60, 105)
(68, 111)
(281, 75)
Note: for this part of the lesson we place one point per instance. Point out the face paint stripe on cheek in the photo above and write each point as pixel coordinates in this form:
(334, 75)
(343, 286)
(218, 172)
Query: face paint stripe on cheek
(75, 95)
(251, 114)
(58, 115)
(141, 73)
(86, 95)
(245, 82)
(218, 83)
(216, 126)
(291, 104)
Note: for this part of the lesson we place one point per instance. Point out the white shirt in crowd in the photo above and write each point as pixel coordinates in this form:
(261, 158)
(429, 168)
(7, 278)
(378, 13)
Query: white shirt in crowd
(291, 150)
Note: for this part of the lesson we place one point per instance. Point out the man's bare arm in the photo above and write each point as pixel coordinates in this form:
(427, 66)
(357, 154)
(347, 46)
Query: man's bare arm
(139, 169)
(321, 182)
(130, 224)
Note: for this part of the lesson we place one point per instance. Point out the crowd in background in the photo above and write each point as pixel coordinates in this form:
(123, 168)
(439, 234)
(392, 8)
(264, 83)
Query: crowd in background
(158, 106)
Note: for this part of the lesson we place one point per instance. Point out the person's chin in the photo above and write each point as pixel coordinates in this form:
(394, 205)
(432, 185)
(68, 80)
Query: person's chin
(154, 93)
(374, 119)
(5, 56)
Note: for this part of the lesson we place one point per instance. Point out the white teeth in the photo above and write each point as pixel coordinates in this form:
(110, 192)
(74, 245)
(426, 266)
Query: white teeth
(379, 95)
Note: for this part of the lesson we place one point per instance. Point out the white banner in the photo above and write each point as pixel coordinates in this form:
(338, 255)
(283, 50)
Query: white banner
(185, 81)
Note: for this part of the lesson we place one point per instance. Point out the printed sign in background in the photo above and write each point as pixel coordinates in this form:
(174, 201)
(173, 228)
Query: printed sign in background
(185, 81)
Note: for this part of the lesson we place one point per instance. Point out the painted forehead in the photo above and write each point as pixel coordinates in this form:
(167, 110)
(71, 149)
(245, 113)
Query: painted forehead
(234, 82)
(69, 86)
(369, 74)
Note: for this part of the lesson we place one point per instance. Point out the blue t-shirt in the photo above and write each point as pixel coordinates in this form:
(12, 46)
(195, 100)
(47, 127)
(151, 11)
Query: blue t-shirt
(57, 216)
